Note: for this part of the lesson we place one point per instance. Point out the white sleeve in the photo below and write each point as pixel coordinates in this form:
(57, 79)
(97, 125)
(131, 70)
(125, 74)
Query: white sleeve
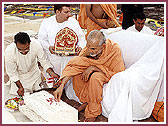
(43, 37)
(11, 66)
(81, 36)
(41, 57)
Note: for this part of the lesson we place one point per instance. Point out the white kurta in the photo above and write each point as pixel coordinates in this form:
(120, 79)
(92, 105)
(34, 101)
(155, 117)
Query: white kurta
(47, 33)
(24, 67)
(145, 29)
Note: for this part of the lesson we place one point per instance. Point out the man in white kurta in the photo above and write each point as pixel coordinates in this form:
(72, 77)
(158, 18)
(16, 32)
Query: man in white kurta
(49, 29)
(24, 68)
(145, 29)
(139, 21)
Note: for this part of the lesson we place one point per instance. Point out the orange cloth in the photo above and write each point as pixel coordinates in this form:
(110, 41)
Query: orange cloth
(86, 23)
(111, 11)
(158, 111)
(82, 16)
(110, 62)
(91, 25)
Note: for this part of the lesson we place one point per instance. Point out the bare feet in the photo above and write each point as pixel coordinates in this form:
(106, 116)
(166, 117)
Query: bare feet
(90, 119)
(82, 107)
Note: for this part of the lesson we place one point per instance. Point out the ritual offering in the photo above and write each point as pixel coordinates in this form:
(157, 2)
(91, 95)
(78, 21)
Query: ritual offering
(65, 41)
(13, 103)
(44, 107)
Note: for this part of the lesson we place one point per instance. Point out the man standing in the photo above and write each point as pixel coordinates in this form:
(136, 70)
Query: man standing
(49, 29)
(98, 16)
(95, 65)
(139, 24)
(21, 64)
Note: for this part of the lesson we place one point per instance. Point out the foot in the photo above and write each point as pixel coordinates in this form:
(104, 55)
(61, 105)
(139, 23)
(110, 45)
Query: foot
(90, 119)
(82, 107)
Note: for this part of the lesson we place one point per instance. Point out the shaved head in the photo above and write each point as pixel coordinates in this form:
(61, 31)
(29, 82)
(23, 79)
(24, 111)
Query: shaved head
(95, 44)
(96, 35)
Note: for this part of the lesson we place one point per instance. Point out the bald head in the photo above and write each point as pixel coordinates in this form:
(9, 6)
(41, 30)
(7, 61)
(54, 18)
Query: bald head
(95, 41)
(96, 35)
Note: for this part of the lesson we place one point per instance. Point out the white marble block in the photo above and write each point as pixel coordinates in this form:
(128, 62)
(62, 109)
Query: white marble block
(41, 104)
(31, 114)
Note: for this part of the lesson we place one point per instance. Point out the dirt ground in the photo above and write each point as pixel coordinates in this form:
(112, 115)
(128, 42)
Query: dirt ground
(12, 25)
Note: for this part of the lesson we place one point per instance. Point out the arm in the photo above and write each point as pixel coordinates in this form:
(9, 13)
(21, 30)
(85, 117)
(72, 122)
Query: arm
(11, 70)
(58, 92)
(20, 88)
(88, 72)
(44, 62)
(91, 16)
(51, 72)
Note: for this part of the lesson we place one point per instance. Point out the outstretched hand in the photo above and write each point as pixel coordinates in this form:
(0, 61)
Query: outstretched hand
(59, 90)
(58, 93)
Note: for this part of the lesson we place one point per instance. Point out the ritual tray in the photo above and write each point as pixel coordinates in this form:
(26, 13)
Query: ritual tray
(65, 41)
(13, 104)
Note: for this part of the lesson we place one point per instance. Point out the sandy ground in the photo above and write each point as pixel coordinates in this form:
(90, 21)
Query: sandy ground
(13, 25)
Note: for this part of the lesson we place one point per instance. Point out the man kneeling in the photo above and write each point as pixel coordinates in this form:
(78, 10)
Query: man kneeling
(95, 65)
(21, 64)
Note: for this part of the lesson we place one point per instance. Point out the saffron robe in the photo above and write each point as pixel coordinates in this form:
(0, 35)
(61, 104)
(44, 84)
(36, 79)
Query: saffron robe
(86, 23)
(110, 62)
